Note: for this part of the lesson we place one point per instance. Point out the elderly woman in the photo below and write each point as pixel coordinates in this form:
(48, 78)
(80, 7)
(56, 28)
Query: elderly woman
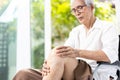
(92, 41)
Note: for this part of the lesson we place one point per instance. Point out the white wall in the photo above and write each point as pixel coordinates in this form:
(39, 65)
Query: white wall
(23, 35)
(47, 27)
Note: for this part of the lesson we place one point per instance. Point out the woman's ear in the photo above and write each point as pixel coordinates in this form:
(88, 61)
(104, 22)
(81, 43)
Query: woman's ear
(92, 7)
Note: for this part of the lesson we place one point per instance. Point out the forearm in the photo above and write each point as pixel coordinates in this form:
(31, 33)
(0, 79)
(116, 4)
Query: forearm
(94, 55)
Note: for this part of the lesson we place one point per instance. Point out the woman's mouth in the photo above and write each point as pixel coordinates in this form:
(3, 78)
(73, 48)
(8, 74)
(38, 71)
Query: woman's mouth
(80, 18)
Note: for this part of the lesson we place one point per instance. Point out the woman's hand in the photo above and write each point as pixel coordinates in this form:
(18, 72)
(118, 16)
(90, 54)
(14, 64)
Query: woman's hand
(66, 51)
(45, 69)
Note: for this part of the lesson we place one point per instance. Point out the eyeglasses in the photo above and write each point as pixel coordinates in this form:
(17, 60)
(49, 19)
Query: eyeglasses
(78, 9)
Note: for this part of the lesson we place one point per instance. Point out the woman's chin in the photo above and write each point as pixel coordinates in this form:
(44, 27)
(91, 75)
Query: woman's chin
(81, 21)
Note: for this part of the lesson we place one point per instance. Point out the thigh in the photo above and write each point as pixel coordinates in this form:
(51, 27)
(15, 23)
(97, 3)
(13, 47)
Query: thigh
(69, 66)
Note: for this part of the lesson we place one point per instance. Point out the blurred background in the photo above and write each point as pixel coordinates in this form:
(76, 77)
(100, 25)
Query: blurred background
(28, 27)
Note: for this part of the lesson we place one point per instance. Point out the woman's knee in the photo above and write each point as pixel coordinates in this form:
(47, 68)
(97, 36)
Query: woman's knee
(54, 59)
(58, 60)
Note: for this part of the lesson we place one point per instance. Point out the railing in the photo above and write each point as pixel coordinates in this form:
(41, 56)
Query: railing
(3, 51)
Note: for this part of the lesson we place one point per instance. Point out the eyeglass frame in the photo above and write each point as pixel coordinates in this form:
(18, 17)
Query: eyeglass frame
(78, 9)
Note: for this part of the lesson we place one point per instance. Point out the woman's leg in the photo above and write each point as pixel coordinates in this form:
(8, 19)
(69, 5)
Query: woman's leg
(56, 65)
(70, 65)
(60, 67)
(28, 74)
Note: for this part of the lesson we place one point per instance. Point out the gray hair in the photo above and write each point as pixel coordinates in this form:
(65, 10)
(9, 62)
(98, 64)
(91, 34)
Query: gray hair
(87, 2)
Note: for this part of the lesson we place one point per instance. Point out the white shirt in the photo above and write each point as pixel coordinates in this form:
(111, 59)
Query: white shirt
(102, 36)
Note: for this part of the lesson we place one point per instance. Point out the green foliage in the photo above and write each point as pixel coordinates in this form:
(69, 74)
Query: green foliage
(38, 56)
(37, 18)
(37, 30)
(104, 11)
(62, 20)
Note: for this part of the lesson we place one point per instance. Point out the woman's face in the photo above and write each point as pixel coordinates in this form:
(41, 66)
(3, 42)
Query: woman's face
(81, 11)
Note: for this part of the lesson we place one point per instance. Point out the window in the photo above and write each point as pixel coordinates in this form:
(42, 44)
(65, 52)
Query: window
(7, 39)
(37, 32)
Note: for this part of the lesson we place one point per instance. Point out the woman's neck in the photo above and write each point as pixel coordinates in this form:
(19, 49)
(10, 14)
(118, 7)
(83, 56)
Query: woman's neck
(90, 23)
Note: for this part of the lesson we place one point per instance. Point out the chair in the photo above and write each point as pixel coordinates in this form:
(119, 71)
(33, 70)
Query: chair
(117, 63)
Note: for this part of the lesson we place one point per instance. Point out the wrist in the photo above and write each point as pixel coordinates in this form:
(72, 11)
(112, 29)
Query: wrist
(77, 52)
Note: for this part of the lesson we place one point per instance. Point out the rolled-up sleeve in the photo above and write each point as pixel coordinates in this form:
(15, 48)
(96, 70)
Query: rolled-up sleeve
(70, 41)
(110, 40)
